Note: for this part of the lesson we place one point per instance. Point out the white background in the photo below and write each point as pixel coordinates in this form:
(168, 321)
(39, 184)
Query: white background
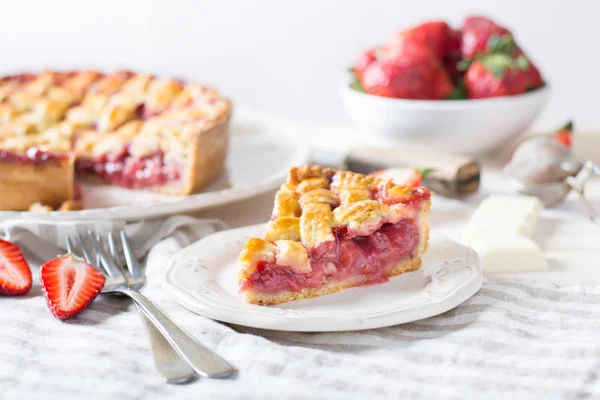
(287, 57)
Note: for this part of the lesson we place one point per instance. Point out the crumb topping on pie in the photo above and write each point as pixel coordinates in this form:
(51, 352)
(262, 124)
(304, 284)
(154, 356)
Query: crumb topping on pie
(326, 223)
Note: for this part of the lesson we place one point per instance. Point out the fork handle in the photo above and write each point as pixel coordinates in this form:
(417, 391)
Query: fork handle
(201, 359)
(166, 360)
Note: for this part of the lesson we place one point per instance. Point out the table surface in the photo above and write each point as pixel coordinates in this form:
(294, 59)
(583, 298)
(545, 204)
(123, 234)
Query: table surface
(569, 239)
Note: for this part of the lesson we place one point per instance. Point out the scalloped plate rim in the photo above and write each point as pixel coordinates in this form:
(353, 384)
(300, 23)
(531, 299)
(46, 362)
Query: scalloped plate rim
(302, 320)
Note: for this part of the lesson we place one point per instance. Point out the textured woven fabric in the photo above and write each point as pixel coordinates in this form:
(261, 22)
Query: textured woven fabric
(512, 340)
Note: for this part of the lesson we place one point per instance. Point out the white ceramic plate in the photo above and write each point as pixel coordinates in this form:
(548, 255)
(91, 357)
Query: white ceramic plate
(262, 149)
(202, 278)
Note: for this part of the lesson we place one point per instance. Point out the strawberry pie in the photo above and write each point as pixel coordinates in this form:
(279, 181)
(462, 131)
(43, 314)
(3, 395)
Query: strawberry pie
(332, 230)
(131, 130)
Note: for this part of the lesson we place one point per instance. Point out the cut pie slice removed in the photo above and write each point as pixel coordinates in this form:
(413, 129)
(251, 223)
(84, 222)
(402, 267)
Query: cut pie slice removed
(332, 230)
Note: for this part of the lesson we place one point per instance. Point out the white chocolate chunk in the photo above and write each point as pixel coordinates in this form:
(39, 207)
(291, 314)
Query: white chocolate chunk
(510, 253)
(503, 215)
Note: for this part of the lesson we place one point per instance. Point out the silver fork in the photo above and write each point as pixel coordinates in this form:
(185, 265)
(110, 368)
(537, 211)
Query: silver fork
(202, 360)
(166, 360)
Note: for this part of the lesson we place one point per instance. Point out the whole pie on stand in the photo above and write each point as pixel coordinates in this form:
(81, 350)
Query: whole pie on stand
(132, 130)
(332, 230)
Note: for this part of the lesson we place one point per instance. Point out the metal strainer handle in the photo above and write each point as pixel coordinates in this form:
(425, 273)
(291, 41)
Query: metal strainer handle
(577, 184)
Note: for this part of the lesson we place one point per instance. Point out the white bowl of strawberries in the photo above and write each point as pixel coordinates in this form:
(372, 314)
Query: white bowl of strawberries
(463, 91)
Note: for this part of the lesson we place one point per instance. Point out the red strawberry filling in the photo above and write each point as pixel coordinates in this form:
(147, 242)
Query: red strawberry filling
(131, 172)
(372, 256)
(32, 156)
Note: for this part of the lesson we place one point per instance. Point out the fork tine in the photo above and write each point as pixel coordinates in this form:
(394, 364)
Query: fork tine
(73, 250)
(131, 260)
(112, 248)
(86, 254)
(107, 261)
(99, 257)
(70, 247)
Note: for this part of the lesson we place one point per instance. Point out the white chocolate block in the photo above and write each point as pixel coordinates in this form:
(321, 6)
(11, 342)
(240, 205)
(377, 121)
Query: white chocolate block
(503, 215)
(510, 253)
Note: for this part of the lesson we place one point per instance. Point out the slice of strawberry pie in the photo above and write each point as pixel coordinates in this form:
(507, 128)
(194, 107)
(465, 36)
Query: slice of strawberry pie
(332, 230)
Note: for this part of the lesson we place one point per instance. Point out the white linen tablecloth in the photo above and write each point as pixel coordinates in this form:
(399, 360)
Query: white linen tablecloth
(514, 339)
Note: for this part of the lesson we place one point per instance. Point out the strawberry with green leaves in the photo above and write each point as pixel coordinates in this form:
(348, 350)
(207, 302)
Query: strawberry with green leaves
(564, 135)
(506, 45)
(533, 75)
(414, 73)
(496, 75)
(477, 31)
(15, 274)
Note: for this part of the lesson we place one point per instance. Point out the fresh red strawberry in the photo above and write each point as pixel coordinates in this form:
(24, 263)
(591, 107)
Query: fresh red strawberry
(414, 73)
(15, 275)
(564, 134)
(495, 75)
(442, 85)
(452, 55)
(476, 34)
(364, 60)
(453, 44)
(432, 34)
(506, 45)
(532, 74)
(70, 285)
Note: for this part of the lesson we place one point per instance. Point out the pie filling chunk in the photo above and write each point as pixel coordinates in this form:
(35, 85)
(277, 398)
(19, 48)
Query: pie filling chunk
(129, 171)
(331, 230)
(133, 130)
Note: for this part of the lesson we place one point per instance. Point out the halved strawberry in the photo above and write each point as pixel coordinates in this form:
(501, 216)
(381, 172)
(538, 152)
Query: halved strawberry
(69, 285)
(15, 275)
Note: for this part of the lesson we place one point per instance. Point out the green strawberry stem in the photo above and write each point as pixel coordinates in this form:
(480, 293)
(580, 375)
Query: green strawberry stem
(568, 126)
(355, 84)
(425, 172)
(522, 63)
(501, 44)
(459, 92)
(497, 63)
(464, 65)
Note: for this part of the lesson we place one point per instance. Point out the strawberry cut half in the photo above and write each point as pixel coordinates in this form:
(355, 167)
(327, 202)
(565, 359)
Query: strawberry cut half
(15, 274)
(69, 285)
